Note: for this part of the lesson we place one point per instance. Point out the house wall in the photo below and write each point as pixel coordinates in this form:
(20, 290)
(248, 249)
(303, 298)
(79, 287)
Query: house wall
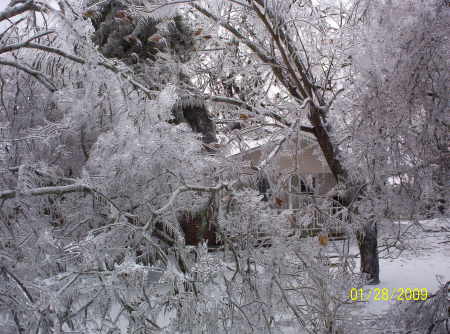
(325, 182)
(287, 191)
(309, 163)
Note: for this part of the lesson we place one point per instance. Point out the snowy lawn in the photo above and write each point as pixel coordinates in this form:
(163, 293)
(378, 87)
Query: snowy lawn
(426, 266)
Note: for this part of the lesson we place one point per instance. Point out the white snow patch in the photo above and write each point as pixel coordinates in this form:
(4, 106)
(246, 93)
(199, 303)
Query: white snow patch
(425, 269)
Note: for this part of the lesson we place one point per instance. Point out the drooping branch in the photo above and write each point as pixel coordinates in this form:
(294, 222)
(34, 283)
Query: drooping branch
(77, 59)
(12, 47)
(328, 148)
(186, 187)
(41, 77)
(80, 187)
(56, 190)
(259, 111)
(157, 232)
(260, 53)
(10, 12)
(242, 104)
(45, 174)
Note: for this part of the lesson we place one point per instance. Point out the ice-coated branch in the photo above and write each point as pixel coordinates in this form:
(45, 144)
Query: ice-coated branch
(19, 283)
(56, 190)
(277, 147)
(79, 60)
(43, 173)
(185, 188)
(60, 190)
(239, 103)
(41, 77)
(260, 53)
(258, 111)
(17, 46)
(252, 46)
(158, 6)
(300, 82)
(293, 308)
(10, 12)
(289, 44)
(79, 187)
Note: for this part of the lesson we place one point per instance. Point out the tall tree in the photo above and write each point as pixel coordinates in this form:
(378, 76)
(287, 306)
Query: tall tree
(331, 52)
(302, 44)
(98, 164)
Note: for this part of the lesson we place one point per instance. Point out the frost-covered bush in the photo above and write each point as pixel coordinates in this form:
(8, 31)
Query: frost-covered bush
(429, 316)
(96, 174)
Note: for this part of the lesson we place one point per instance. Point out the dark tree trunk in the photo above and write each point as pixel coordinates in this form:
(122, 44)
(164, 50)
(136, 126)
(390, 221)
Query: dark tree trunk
(198, 227)
(368, 248)
(193, 111)
(263, 185)
(368, 234)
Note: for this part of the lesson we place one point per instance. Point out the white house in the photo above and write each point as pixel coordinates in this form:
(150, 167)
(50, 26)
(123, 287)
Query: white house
(294, 179)
(298, 170)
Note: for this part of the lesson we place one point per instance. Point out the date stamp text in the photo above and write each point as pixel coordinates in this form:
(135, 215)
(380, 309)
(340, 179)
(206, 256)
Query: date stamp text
(388, 294)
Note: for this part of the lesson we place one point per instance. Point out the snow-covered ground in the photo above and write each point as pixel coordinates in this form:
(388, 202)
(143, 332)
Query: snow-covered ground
(426, 265)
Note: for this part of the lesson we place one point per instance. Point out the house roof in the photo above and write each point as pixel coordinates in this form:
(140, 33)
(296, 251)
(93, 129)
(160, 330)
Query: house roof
(310, 160)
(307, 141)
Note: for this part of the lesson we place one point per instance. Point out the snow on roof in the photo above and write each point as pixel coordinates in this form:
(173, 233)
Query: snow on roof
(266, 145)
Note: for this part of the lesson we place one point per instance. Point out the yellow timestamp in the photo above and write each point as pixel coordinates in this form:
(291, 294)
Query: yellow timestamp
(388, 294)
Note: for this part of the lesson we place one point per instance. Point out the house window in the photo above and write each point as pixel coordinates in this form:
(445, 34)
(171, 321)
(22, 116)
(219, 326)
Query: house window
(304, 188)
(298, 186)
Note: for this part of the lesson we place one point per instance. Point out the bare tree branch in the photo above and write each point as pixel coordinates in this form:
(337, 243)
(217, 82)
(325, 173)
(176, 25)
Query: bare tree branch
(261, 54)
(20, 284)
(259, 111)
(286, 61)
(239, 103)
(186, 187)
(10, 12)
(59, 52)
(41, 77)
(57, 190)
(277, 148)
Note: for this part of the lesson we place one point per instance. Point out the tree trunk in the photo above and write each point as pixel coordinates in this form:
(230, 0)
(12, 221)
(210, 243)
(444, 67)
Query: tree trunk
(368, 248)
(367, 235)
(317, 117)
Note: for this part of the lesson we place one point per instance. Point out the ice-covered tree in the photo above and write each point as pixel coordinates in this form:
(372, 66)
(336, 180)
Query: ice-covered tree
(106, 142)
(331, 69)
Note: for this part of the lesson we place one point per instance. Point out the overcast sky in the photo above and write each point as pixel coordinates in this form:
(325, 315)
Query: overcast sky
(3, 4)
